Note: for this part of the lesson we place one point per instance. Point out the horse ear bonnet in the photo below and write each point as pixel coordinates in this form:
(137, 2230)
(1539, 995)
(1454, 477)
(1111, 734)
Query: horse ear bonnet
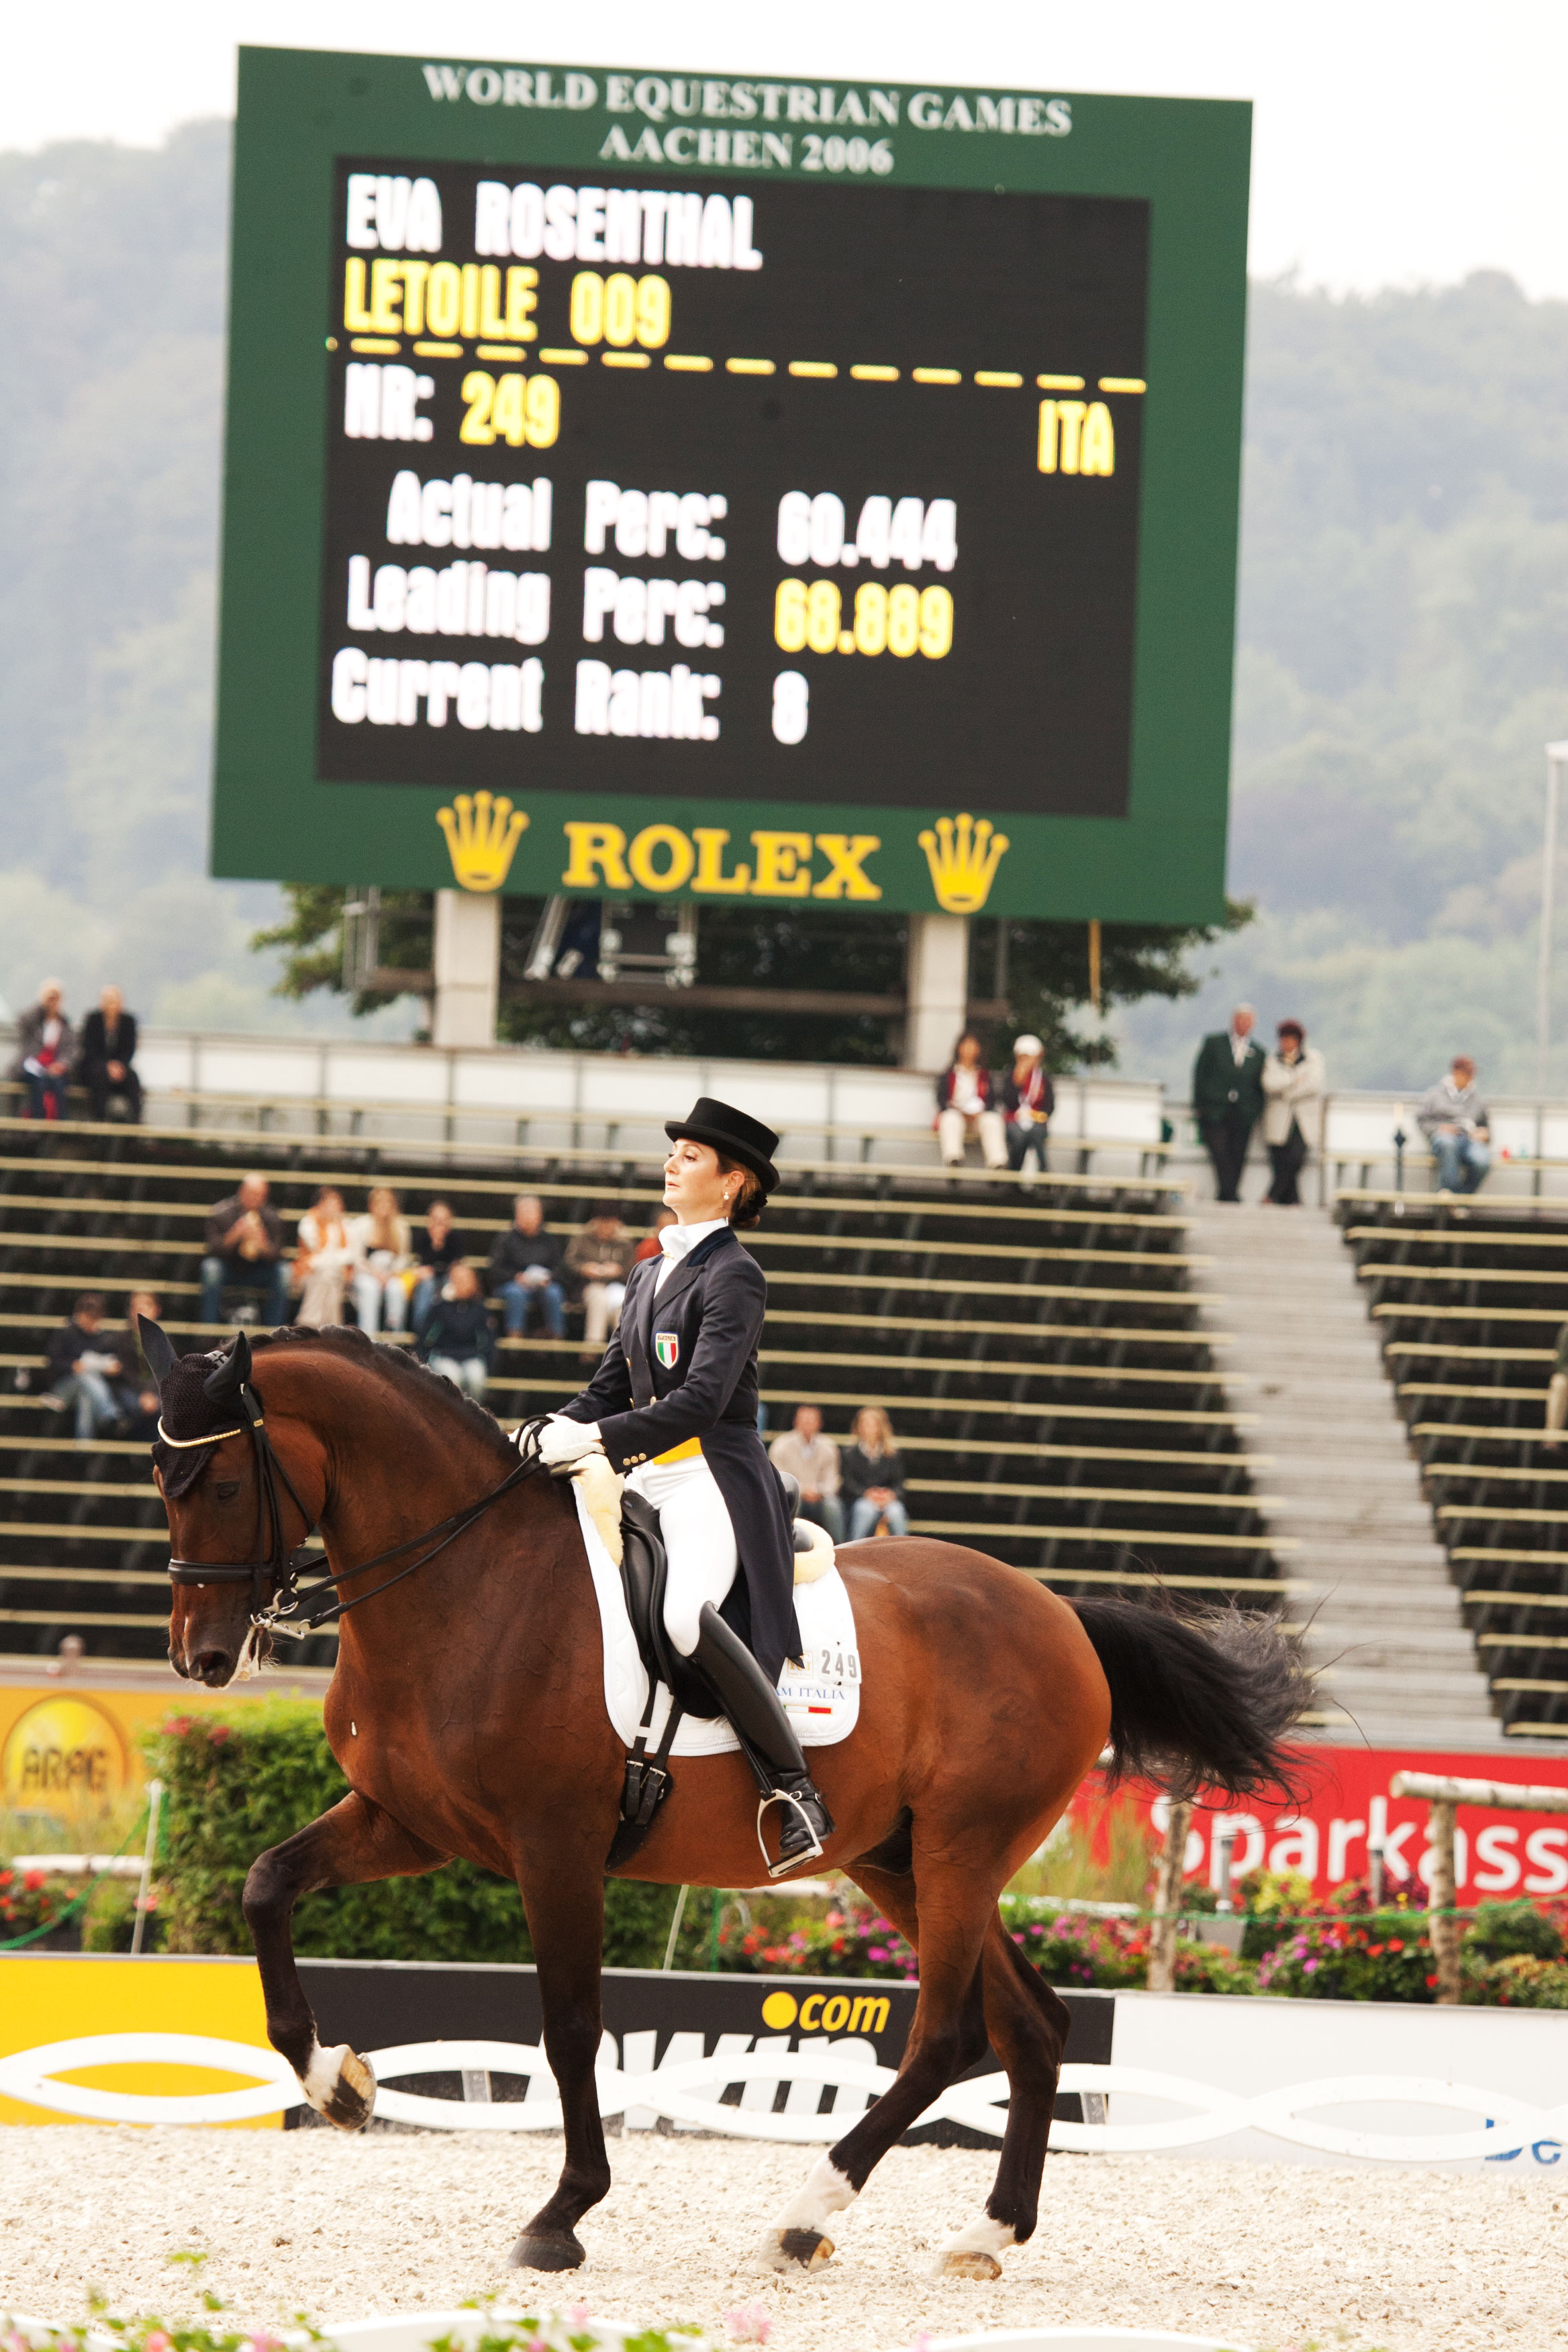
(197, 1395)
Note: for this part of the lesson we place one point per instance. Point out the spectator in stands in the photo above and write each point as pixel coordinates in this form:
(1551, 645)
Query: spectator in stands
(1028, 1099)
(873, 1473)
(135, 1389)
(1228, 1096)
(1293, 1079)
(1557, 1392)
(434, 1258)
(803, 1453)
(383, 1253)
(107, 1055)
(649, 1244)
(46, 1053)
(244, 1251)
(526, 1268)
(323, 1258)
(79, 1368)
(966, 1106)
(600, 1258)
(1454, 1120)
(460, 1340)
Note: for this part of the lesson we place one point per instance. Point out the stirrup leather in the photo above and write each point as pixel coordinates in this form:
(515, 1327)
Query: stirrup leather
(811, 1853)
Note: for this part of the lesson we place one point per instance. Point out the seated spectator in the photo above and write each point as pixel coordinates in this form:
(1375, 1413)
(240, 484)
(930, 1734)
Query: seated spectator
(804, 1453)
(135, 1389)
(383, 1251)
(434, 1258)
(1453, 1119)
(458, 1340)
(526, 1268)
(1028, 1099)
(108, 1052)
(966, 1106)
(46, 1053)
(244, 1251)
(600, 1258)
(79, 1368)
(649, 1246)
(323, 1257)
(873, 1473)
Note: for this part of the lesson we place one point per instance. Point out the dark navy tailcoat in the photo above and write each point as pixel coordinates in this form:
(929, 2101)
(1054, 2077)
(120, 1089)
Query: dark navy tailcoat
(684, 1365)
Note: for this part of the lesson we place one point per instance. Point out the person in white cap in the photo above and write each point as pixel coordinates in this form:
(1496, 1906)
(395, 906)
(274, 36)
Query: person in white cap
(1028, 1099)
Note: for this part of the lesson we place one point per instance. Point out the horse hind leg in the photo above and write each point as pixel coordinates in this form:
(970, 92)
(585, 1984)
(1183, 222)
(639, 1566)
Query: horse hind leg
(947, 2036)
(1028, 2026)
(351, 1843)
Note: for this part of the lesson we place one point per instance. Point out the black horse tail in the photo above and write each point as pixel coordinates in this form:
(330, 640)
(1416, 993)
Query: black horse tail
(1203, 1698)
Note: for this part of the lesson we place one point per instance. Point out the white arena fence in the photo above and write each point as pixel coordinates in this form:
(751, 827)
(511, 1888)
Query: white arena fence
(689, 2090)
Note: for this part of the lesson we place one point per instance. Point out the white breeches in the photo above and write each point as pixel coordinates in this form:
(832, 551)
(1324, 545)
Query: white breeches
(699, 1538)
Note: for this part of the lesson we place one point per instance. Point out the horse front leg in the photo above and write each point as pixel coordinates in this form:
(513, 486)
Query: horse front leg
(354, 1842)
(565, 1908)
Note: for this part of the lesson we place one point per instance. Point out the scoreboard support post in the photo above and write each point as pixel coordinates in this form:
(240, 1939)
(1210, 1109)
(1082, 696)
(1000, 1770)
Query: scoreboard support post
(938, 989)
(467, 968)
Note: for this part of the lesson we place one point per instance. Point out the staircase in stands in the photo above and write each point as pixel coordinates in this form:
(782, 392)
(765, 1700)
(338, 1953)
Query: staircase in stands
(1039, 1351)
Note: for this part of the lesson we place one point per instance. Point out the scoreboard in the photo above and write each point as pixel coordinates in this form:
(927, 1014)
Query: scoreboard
(691, 486)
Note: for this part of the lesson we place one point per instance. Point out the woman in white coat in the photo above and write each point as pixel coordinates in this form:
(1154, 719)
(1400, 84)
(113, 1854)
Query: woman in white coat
(1293, 1078)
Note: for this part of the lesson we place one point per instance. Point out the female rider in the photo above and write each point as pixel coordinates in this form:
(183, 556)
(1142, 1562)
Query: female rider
(673, 1406)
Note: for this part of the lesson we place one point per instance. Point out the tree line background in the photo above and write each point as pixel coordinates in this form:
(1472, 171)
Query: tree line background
(1403, 658)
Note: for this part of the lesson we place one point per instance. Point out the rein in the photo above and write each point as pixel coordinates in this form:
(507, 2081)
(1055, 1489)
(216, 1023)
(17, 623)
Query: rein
(282, 1569)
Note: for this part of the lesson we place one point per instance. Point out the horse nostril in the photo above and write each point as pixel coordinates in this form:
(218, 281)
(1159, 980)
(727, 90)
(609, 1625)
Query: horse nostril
(214, 1666)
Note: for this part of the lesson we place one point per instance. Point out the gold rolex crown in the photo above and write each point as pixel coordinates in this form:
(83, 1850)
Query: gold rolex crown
(963, 853)
(481, 834)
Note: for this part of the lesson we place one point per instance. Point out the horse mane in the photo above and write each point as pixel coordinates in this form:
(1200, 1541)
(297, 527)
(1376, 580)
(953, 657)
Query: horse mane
(397, 1369)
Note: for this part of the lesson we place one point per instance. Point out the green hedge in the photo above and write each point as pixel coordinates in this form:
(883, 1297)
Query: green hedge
(243, 1779)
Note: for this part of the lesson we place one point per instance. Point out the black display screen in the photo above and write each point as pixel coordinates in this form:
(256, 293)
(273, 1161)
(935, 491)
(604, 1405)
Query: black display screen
(725, 488)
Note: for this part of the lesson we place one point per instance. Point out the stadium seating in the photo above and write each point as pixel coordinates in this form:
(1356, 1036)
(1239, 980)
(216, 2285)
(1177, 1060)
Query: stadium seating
(1470, 1301)
(1038, 1352)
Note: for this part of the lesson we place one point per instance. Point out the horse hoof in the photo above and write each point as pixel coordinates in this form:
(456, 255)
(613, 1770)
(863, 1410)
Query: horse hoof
(546, 2254)
(796, 2250)
(341, 2087)
(970, 2264)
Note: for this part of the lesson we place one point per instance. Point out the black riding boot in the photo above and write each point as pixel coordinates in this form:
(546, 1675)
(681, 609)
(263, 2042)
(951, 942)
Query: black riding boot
(767, 1740)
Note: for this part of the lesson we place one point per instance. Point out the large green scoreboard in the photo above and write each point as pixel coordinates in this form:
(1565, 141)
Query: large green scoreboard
(698, 487)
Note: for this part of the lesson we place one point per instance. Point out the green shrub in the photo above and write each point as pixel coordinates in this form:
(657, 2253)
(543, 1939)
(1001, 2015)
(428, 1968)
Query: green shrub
(30, 1900)
(1524, 1981)
(241, 1780)
(1498, 1930)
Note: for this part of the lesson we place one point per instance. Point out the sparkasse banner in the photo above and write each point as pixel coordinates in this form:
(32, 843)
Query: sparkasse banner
(695, 486)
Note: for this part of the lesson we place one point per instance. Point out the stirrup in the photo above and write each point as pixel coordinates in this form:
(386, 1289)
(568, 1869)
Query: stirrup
(813, 1852)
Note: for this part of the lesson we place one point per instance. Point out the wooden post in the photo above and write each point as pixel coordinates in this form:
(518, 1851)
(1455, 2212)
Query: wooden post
(1168, 1900)
(1444, 1926)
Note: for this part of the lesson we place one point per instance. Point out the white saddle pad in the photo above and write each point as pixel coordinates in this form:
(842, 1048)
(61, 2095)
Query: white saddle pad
(822, 1698)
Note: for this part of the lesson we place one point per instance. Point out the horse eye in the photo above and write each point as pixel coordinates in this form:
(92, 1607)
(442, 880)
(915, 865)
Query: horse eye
(227, 1489)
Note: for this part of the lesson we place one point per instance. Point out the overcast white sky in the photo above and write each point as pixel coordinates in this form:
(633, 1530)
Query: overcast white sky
(1397, 142)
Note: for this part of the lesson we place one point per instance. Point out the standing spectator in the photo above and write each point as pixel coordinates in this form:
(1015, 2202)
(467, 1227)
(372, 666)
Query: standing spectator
(600, 1258)
(649, 1244)
(873, 1473)
(458, 1341)
(1028, 1099)
(135, 1389)
(1227, 1096)
(323, 1258)
(1557, 1391)
(1454, 1120)
(434, 1258)
(383, 1251)
(244, 1251)
(108, 1052)
(46, 1051)
(805, 1454)
(525, 1266)
(80, 1368)
(966, 1106)
(1293, 1079)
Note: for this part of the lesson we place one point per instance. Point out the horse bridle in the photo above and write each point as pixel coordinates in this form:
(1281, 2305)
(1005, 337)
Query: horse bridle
(281, 1571)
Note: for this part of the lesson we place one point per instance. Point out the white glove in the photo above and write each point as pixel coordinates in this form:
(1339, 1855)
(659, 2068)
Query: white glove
(562, 1443)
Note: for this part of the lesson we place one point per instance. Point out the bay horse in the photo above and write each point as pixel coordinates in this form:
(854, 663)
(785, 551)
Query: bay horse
(466, 1712)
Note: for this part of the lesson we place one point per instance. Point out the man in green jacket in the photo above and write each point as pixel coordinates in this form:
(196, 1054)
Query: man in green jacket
(1227, 1096)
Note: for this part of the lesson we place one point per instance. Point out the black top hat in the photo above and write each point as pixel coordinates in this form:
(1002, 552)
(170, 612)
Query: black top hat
(731, 1132)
